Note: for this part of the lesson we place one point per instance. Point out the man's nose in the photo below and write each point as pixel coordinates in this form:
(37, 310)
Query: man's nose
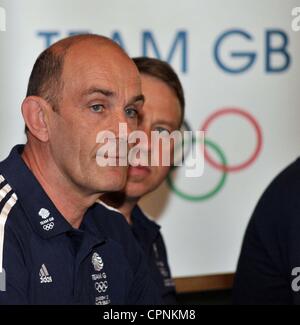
(144, 145)
(120, 122)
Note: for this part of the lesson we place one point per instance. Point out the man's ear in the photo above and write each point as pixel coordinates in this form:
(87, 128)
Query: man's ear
(34, 113)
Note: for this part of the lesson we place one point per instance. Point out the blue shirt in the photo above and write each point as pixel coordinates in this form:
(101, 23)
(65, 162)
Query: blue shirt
(269, 264)
(46, 261)
(148, 235)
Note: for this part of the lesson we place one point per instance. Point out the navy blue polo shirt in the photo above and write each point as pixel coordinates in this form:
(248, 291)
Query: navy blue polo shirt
(269, 264)
(148, 235)
(44, 260)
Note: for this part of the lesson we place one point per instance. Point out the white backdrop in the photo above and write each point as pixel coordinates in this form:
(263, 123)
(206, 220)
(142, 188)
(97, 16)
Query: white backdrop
(203, 237)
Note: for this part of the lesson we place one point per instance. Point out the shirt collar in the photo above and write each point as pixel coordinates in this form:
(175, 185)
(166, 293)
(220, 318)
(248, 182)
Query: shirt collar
(108, 207)
(141, 224)
(39, 209)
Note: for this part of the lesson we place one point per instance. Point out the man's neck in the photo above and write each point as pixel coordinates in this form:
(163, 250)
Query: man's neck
(69, 200)
(119, 201)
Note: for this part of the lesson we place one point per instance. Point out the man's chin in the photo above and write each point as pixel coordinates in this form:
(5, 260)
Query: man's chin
(113, 179)
(136, 190)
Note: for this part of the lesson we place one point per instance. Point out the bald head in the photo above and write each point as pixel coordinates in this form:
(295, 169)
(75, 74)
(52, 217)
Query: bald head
(46, 77)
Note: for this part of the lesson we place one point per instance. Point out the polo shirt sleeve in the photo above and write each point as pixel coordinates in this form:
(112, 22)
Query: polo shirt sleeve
(14, 276)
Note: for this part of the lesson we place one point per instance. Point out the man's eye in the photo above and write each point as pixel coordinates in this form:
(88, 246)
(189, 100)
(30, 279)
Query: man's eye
(131, 112)
(161, 129)
(98, 108)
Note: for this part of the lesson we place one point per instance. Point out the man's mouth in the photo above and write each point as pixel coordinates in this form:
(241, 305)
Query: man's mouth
(139, 170)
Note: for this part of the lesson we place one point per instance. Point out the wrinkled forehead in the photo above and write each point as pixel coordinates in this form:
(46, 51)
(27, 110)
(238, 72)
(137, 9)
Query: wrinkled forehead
(89, 63)
(161, 106)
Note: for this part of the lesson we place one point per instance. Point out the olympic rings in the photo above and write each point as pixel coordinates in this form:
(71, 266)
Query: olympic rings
(48, 226)
(211, 193)
(223, 165)
(258, 131)
(101, 286)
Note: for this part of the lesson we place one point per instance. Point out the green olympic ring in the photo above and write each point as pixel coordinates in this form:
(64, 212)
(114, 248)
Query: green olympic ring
(211, 193)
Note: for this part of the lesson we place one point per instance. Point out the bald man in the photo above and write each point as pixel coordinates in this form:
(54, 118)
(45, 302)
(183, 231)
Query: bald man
(51, 249)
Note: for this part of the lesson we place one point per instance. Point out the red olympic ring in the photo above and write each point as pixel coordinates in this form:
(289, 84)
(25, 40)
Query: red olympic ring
(252, 120)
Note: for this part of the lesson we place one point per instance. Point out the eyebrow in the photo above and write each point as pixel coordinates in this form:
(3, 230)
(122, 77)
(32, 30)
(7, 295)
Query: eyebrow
(109, 93)
(93, 90)
(170, 124)
(137, 98)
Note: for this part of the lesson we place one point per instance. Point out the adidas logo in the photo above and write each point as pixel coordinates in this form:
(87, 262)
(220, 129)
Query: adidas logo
(44, 275)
